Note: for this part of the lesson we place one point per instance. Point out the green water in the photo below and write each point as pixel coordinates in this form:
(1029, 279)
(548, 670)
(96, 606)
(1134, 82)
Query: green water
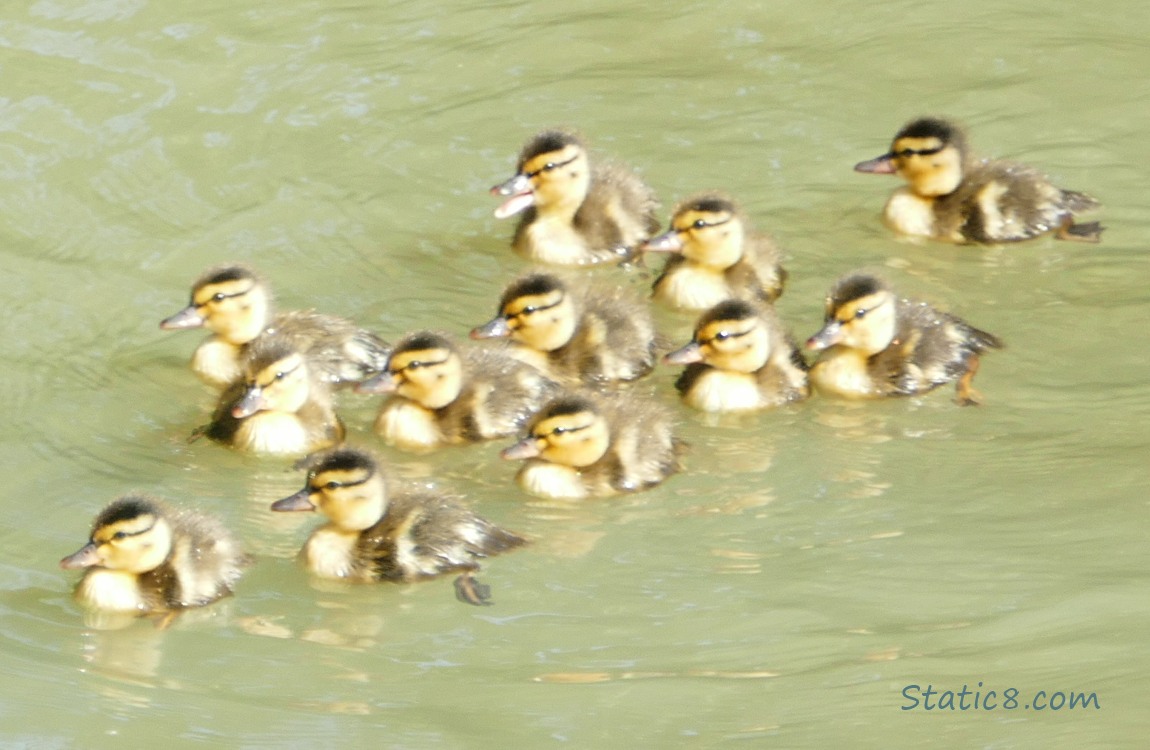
(809, 565)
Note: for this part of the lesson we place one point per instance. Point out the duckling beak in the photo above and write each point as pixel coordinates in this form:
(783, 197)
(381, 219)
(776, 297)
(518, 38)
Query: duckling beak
(522, 197)
(85, 557)
(494, 329)
(692, 352)
(526, 448)
(251, 402)
(879, 165)
(186, 318)
(829, 335)
(668, 242)
(384, 382)
(299, 501)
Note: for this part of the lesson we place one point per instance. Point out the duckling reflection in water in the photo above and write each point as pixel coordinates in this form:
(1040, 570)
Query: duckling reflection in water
(145, 558)
(874, 344)
(378, 531)
(575, 213)
(234, 303)
(954, 197)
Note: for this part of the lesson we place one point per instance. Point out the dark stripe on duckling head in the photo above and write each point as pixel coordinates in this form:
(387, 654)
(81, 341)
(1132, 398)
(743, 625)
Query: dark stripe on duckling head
(710, 203)
(931, 127)
(529, 286)
(266, 350)
(422, 340)
(342, 459)
(565, 405)
(546, 142)
(855, 287)
(220, 274)
(125, 509)
(732, 309)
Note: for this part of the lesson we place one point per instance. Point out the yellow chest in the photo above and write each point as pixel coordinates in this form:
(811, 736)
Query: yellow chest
(719, 391)
(910, 214)
(329, 553)
(112, 590)
(553, 240)
(408, 426)
(545, 479)
(274, 433)
(690, 287)
(843, 373)
(217, 362)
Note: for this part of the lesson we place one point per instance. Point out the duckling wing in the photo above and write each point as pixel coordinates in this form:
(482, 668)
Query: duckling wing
(619, 210)
(1003, 201)
(499, 395)
(616, 338)
(760, 272)
(933, 348)
(205, 563)
(341, 351)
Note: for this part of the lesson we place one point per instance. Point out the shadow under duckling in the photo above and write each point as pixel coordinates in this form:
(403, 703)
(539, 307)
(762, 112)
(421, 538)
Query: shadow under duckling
(875, 344)
(279, 407)
(575, 333)
(145, 558)
(445, 396)
(379, 532)
(581, 446)
(234, 303)
(952, 196)
(740, 359)
(715, 257)
(574, 213)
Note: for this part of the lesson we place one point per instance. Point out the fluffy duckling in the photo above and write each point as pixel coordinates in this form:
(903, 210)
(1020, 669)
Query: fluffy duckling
(585, 334)
(278, 407)
(580, 446)
(235, 305)
(879, 345)
(716, 258)
(145, 558)
(574, 213)
(740, 359)
(954, 197)
(443, 396)
(377, 532)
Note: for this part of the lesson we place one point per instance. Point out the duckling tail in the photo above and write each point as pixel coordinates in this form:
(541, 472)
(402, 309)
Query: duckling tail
(1088, 232)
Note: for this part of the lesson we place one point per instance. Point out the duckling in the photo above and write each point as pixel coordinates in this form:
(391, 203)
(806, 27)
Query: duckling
(583, 334)
(954, 197)
(145, 558)
(234, 303)
(715, 257)
(279, 407)
(878, 345)
(580, 446)
(740, 359)
(447, 397)
(379, 532)
(576, 214)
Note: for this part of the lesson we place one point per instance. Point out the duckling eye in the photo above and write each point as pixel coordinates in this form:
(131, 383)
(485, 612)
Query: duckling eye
(699, 224)
(861, 313)
(280, 375)
(332, 485)
(529, 310)
(722, 336)
(415, 365)
(560, 430)
(219, 297)
(120, 535)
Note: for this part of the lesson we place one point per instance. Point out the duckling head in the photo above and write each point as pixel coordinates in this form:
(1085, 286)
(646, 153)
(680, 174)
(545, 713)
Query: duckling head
(707, 229)
(536, 311)
(130, 535)
(346, 485)
(276, 378)
(424, 367)
(230, 301)
(861, 313)
(570, 430)
(929, 153)
(732, 335)
(553, 173)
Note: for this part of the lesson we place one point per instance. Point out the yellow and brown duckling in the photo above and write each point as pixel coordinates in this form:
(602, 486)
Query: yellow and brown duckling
(716, 257)
(143, 557)
(581, 446)
(574, 333)
(952, 196)
(575, 213)
(234, 303)
(443, 395)
(740, 359)
(875, 344)
(278, 407)
(379, 532)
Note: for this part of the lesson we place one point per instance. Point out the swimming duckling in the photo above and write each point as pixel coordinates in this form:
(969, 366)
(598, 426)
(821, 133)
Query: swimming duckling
(879, 345)
(235, 305)
(715, 257)
(740, 359)
(574, 334)
(580, 446)
(145, 558)
(379, 532)
(279, 407)
(952, 196)
(576, 214)
(447, 397)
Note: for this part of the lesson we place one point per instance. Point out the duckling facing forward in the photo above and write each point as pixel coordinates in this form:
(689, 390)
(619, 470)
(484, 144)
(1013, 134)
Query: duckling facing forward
(377, 532)
(740, 359)
(954, 197)
(279, 407)
(443, 396)
(879, 345)
(581, 446)
(235, 305)
(575, 334)
(575, 214)
(715, 257)
(145, 558)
